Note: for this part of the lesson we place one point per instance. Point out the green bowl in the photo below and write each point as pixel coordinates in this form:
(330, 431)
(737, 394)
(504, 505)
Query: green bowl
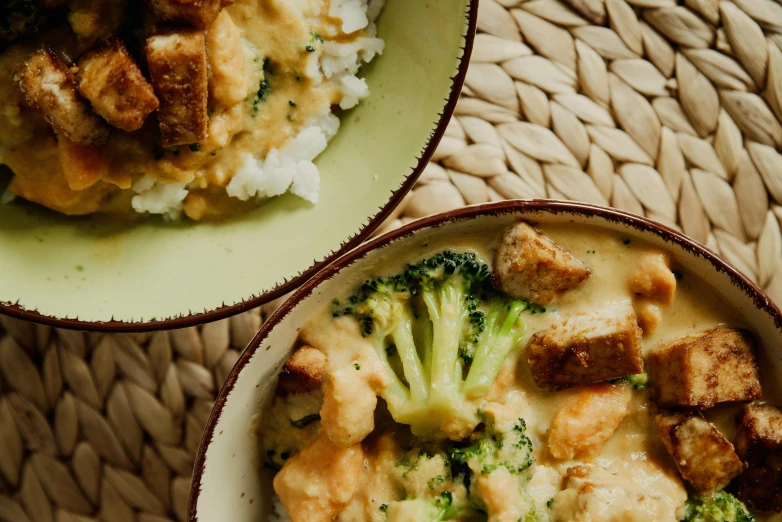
(89, 274)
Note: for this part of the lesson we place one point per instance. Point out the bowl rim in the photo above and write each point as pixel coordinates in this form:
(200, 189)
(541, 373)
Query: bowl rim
(520, 207)
(193, 319)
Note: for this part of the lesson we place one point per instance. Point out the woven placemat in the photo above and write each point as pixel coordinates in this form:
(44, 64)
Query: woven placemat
(666, 110)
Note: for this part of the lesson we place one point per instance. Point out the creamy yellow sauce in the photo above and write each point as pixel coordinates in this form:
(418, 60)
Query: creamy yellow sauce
(633, 458)
(270, 30)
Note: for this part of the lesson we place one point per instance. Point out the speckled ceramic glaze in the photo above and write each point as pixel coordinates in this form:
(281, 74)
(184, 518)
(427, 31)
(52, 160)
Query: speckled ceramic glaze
(228, 482)
(90, 274)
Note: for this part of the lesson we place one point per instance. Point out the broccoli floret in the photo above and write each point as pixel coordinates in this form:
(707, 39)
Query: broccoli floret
(511, 449)
(721, 507)
(421, 510)
(448, 350)
(639, 381)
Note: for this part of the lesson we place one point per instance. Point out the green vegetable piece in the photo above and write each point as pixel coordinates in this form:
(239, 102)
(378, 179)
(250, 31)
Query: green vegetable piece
(721, 507)
(447, 349)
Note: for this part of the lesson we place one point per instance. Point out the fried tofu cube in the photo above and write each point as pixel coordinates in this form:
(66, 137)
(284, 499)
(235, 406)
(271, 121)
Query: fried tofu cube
(45, 81)
(586, 348)
(177, 67)
(531, 267)
(198, 13)
(759, 443)
(303, 372)
(704, 369)
(109, 78)
(653, 279)
(703, 456)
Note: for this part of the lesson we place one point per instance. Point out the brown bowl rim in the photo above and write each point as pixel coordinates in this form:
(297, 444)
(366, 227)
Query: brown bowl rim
(519, 207)
(17, 311)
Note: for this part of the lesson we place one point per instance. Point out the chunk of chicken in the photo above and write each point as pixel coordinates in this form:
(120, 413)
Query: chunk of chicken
(82, 166)
(649, 315)
(652, 277)
(531, 267)
(704, 457)
(303, 372)
(500, 492)
(588, 419)
(641, 492)
(198, 13)
(225, 51)
(317, 483)
(350, 398)
(109, 78)
(653, 284)
(177, 67)
(587, 347)
(47, 86)
(759, 444)
(705, 369)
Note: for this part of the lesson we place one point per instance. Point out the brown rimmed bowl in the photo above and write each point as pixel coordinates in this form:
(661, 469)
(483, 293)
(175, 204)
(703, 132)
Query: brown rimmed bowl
(228, 483)
(89, 274)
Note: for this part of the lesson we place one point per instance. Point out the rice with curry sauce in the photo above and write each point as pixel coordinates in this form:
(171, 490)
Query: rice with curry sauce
(198, 108)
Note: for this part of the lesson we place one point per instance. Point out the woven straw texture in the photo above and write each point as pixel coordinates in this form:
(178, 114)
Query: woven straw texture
(664, 109)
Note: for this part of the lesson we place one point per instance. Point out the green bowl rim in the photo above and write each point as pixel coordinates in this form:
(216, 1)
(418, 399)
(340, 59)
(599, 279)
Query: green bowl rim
(17, 311)
(519, 208)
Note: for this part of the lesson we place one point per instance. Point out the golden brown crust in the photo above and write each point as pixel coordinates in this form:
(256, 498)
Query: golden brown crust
(759, 444)
(705, 369)
(198, 13)
(531, 267)
(109, 78)
(587, 348)
(303, 372)
(46, 83)
(703, 456)
(177, 67)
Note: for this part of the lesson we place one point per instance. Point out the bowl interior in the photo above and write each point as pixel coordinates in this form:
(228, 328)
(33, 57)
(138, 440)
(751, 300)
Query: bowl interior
(229, 484)
(92, 271)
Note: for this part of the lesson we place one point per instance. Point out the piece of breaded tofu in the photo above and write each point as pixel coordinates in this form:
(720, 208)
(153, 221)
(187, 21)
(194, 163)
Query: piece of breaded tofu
(45, 81)
(703, 456)
(109, 78)
(177, 67)
(197, 13)
(704, 369)
(303, 372)
(531, 267)
(759, 443)
(587, 347)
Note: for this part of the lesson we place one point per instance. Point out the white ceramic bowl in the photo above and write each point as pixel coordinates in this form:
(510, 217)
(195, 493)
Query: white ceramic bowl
(228, 483)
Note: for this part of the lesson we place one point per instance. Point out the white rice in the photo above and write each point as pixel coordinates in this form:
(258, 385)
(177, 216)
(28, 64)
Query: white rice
(291, 168)
(159, 198)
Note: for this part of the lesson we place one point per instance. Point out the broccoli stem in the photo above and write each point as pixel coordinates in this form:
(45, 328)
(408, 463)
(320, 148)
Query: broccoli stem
(494, 346)
(448, 311)
(411, 364)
